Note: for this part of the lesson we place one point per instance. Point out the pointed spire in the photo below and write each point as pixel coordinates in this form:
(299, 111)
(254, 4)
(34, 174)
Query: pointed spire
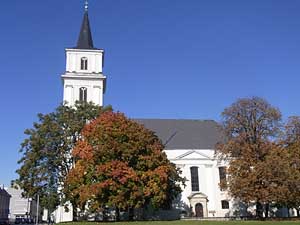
(85, 40)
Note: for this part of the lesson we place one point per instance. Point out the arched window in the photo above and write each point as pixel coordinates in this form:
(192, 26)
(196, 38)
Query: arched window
(194, 178)
(225, 204)
(84, 63)
(83, 94)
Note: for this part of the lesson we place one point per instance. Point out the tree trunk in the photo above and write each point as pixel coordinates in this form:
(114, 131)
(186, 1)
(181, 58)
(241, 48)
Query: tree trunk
(74, 209)
(130, 214)
(298, 212)
(267, 209)
(117, 214)
(288, 212)
(259, 210)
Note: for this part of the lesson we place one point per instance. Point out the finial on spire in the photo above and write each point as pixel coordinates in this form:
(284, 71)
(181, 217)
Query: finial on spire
(86, 5)
(85, 40)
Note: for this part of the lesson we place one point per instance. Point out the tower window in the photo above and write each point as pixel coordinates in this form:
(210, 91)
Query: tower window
(194, 178)
(84, 63)
(83, 94)
(225, 204)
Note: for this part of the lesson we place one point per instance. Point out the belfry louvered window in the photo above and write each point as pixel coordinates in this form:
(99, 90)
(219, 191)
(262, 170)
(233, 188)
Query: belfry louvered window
(194, 178)
(84, 63)
(83, 94)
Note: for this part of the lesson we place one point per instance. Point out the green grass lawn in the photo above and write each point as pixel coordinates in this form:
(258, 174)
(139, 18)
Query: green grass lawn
(191, 223)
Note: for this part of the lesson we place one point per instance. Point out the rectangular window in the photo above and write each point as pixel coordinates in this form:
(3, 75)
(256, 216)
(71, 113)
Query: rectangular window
(222, 173)
(225, 204)
(194, 179)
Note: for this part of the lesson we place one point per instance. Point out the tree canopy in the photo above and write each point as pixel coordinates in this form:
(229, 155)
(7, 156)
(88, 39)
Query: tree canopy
(263, 155)
(121, 164)
(250, 125)
(46, 152)
(291, 145)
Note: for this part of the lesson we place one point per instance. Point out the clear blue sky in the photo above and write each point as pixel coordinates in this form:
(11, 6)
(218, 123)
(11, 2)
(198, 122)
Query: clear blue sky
(164, 58)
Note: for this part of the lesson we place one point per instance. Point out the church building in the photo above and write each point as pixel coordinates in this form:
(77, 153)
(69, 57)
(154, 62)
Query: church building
(189, 143)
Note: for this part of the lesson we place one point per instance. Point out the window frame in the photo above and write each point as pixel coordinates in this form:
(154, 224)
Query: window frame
(84, 63)
(223, 177)
(225, 204)
(222, 173)
(194, 178)
(83, 94)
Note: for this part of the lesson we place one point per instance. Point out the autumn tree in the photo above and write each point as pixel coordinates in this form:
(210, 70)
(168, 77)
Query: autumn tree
(46, 152)
(291, 143)
(121, 164)
(250, 127)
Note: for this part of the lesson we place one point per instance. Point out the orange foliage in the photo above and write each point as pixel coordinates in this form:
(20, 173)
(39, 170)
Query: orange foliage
(121, 164)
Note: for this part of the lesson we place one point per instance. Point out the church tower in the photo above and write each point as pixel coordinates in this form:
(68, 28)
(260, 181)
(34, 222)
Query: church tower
(83, 79)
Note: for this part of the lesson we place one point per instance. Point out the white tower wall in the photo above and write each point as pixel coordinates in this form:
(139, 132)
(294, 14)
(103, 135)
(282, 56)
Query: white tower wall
(89, 76)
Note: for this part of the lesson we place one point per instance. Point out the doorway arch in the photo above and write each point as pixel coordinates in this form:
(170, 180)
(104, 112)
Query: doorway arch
(199, 210)
(199, 198)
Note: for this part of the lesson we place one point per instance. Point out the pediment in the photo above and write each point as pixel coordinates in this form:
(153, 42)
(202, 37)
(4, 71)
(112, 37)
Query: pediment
(197, 195)
(192, 154)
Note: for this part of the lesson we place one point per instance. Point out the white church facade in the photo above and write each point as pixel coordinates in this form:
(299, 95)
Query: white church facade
(189, 143)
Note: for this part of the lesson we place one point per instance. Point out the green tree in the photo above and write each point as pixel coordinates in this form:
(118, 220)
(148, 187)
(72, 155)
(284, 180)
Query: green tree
(121, 164)
(250, 126)
(47, 158)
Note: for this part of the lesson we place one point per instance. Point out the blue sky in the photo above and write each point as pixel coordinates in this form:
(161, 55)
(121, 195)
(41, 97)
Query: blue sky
(163, 58)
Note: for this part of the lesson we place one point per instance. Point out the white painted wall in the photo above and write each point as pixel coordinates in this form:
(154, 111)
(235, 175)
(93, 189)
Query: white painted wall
(95, 60)
(208, 171)
(74, 78)
(94, 84)
(20, 206)
(61, 215)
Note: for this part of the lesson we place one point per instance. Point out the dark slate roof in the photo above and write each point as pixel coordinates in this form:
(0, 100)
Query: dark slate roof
(185, 134)
(4, 192)
(85, 40)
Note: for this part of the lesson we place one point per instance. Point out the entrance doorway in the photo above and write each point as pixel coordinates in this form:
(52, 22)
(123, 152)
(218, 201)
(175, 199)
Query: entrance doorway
(199, 210)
